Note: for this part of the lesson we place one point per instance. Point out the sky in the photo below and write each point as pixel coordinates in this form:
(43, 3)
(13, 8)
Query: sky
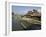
(24, 9)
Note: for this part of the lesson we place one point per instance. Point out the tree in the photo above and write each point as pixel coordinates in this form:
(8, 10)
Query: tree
(12, 13)
(34, 10)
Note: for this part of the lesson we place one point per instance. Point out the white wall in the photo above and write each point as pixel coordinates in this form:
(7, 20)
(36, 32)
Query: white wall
(22, 33)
